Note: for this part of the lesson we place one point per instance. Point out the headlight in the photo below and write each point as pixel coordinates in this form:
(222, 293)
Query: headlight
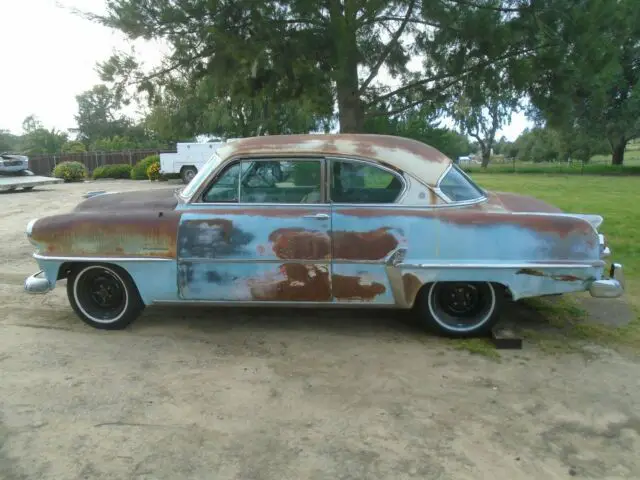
(29, 229)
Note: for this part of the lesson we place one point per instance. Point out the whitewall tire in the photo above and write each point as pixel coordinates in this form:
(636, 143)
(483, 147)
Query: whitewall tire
(460, 309)
(104, 296)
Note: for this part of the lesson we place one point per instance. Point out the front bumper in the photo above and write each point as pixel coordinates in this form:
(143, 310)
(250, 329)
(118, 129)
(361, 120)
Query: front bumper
(611, 287)
(37, 283)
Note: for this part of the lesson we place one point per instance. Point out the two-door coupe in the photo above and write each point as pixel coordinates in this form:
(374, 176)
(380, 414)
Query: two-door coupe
(321, 220)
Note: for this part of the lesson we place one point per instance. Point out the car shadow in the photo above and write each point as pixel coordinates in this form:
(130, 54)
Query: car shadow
(347, 321)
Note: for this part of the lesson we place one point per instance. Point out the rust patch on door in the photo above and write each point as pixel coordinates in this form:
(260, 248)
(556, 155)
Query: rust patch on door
(300, 244)
(372, 245)
(297, 282)
(347, 287)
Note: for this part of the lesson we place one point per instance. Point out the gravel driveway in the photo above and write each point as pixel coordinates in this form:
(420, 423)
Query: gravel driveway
(212, 393)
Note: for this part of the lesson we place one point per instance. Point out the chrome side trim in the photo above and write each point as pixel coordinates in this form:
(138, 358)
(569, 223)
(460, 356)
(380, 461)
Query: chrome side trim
(322, 261)
(249, 303)
(596, 264)
(38, 256)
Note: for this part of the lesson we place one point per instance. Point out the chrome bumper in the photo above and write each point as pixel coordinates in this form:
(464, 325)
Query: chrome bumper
(612, 287)
(37, 283)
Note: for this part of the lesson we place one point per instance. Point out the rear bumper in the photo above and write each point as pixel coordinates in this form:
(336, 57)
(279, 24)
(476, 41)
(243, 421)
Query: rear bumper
(611, 287)
(37, 283)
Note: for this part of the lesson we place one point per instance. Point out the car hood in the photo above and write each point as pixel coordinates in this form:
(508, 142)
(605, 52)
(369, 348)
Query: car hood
(512, 202)
(161, 199)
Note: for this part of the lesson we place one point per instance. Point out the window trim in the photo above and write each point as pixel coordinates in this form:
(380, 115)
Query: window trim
(483, 197)
(398, 199)
(198, 198)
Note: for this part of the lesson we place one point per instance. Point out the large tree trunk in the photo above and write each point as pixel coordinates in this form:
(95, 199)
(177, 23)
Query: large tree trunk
(617, 154)
(486, 157)
(350, 108)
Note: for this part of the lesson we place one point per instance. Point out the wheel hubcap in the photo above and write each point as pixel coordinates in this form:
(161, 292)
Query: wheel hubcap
(100, 294)
(106, 291)
(461, 306)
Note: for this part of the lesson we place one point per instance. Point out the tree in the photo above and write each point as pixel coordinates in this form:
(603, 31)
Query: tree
(280, 52)
(38, 140)
(589, 83)
(422, 125)
(73, 147)
(99, 117)
(481, 119)
(8, 141)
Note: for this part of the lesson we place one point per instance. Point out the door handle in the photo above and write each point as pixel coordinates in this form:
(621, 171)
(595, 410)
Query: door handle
(318, 216)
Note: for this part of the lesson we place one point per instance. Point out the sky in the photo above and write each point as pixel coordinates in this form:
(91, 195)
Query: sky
(48, 56)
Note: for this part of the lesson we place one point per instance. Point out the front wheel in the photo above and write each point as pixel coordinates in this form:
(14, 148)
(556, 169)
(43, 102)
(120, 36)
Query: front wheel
(104, 296)
(460, 309)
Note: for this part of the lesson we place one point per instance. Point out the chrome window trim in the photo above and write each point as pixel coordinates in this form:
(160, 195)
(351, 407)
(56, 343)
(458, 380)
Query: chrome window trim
(446, 198)
(197, 197)
(369, 163)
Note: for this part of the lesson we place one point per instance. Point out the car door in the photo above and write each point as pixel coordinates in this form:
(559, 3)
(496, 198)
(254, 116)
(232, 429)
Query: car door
(366, 230)
(258, 233)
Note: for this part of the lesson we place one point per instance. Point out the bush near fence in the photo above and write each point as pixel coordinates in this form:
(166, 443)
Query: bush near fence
(44, 164)
(120, 170)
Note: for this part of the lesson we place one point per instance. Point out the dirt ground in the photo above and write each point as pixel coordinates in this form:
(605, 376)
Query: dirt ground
(205, 393)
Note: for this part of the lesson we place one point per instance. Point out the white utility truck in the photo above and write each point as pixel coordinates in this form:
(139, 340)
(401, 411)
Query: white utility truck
(189, 158)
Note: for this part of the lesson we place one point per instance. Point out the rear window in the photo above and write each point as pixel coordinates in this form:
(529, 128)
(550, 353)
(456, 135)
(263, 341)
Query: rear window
(458, 187)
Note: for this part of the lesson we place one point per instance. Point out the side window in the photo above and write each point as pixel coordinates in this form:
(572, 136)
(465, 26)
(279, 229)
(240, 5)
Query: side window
(281, 181)
(356, 182)
(225, 187)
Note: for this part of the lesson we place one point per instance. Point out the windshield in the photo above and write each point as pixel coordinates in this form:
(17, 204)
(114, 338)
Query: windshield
(459, 187)
(188, 191)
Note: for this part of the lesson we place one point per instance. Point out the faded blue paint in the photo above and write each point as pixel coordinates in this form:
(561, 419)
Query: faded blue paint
(271, 253)
(254, 282)
(156, 280)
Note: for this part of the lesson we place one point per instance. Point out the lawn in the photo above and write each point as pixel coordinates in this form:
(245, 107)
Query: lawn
(616, 199)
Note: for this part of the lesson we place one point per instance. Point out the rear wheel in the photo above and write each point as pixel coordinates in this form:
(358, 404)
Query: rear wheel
(104, 296)
(460, 309)
(187, 174)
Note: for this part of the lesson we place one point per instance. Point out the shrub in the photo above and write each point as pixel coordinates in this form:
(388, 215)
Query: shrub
(119, 170)
(70, 171)
(153, 170)
(139, 170)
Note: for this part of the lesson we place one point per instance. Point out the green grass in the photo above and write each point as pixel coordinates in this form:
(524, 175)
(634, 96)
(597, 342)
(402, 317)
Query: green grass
(598, 165)
(617, 200)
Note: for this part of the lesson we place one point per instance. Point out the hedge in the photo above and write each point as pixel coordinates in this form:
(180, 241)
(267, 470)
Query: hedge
(70, 171)
(139, 170)
(119, 170)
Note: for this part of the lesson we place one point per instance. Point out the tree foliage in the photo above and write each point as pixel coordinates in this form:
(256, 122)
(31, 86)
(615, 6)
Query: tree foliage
(269, 56)
(37, 139)
(590, 83)
(422, 125)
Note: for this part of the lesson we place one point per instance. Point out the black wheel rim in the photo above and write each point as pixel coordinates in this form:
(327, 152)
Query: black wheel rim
(101, 294)
(461, 306)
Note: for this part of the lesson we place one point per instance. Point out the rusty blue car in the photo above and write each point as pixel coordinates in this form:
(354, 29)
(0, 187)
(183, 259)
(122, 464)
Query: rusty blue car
(321, 221)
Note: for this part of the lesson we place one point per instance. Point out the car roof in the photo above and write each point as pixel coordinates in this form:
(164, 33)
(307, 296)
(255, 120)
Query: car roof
(418, 159)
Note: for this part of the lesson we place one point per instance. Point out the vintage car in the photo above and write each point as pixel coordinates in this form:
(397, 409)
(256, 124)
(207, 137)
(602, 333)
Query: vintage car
(321, 221)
